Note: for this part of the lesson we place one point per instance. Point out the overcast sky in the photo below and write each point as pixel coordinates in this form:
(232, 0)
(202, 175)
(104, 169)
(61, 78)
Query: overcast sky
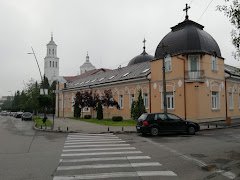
(111, 31)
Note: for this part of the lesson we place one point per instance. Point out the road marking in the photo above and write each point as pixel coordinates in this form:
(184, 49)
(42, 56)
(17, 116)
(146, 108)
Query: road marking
(96, 145)
(116, 175)
(201, 164)
(92, 142)
(87, 136)
(105, 159)
(101, 166)
(96, 139)
(98, 149)
(101, 153)
(82, 134)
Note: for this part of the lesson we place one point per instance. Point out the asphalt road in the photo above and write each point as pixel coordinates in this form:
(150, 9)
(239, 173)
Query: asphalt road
(26, 154)
(210, 154)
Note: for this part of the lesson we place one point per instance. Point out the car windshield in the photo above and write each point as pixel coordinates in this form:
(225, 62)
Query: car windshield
(142, 117)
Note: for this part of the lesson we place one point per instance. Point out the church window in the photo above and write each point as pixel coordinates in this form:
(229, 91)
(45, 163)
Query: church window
(145, 100)
(120, 101)
(215, 100)
(145, 70)
(49, 51)
(131, 100)
(168, 63)
(214, 63)
(125, 74)
(111, 77)
(53, 63)
(50, 63)
(56, 64)
(231, 101)
(53, 51)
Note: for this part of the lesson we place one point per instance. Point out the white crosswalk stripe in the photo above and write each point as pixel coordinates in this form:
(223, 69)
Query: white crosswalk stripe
(104, 156)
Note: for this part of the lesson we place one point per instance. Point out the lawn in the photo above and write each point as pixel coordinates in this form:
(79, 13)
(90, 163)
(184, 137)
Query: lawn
(109, 122)
(38, 121)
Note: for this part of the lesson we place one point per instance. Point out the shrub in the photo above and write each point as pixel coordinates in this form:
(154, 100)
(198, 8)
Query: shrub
(87, 116)
(117, 118)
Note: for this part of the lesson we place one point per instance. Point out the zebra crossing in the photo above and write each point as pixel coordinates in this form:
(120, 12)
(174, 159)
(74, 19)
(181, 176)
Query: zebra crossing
(105, 156)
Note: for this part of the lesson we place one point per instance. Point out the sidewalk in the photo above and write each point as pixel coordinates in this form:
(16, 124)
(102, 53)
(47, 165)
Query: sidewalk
(71, 125)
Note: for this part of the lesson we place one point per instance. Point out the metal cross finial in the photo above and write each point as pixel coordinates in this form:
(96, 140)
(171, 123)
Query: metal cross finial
(144, 41)
(51, 35)
(186, 9)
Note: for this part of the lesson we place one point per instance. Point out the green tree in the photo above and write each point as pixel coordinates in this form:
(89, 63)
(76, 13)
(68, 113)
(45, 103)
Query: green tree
(99, 111)
(232, 10)
(138, 107)
(133, 110)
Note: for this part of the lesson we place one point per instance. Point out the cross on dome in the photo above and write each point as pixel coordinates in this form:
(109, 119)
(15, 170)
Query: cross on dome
(186, 9)
(144, 41)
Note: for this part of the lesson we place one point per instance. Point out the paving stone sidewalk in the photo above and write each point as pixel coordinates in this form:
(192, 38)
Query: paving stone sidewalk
(71, 125)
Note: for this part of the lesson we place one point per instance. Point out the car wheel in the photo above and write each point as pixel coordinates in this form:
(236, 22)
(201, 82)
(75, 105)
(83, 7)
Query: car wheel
(191, 130)
(154, 131)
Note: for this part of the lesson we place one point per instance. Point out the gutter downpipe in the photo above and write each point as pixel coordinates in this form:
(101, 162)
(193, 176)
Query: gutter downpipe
(226, 108)
(150, 94)
(184, 86)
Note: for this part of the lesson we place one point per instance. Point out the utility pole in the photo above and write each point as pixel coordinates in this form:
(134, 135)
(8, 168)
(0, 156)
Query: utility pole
(163, 46)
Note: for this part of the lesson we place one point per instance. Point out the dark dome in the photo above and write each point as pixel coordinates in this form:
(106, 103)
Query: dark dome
(185, 38)
(144, 57)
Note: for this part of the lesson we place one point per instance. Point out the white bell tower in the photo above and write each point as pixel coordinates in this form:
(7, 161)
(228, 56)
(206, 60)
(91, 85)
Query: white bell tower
(51, 62)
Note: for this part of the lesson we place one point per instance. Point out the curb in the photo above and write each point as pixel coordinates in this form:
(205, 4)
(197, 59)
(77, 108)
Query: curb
(119, 132)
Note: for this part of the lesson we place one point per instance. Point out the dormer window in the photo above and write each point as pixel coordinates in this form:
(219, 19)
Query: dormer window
(101, 79)
(125, 74)
(145, 70)
(111, 77)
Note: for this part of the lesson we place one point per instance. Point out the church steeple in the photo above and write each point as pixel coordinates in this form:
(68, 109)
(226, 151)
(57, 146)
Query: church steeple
(87, 65)
(51, 65)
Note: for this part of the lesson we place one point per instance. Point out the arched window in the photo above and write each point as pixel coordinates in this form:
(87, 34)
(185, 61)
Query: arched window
(53, 64)
(53, 51)
(50, 63)
(56, 64)
(49, 51)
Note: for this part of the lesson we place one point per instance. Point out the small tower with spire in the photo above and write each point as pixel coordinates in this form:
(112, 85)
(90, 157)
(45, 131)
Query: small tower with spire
(51, 62)
(87, 65)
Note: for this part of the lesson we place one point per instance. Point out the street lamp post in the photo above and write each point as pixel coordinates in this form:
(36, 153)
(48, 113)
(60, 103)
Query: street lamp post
(44, 93)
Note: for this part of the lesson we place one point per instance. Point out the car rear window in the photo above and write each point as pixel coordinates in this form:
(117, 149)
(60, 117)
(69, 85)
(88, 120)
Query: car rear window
(143, 117)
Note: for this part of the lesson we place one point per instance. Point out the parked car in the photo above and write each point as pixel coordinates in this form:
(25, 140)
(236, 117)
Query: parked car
(27, 116)
(156, 123)
(18, 114)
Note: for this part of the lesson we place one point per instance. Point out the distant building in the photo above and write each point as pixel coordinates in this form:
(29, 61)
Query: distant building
(87, 66)
(51, 62)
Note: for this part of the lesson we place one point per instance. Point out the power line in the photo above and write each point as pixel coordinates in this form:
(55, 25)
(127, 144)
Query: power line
(205, 10)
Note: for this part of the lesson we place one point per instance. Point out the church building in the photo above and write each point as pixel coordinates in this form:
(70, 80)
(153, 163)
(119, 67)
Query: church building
(199, 86)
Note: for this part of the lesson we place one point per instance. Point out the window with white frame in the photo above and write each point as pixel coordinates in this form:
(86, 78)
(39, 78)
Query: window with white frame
(168, 63)
(170, 100)
(120, 101)
(215, 100)
(131, 99)
(231, 100)
(214, 63)
(145, 100)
